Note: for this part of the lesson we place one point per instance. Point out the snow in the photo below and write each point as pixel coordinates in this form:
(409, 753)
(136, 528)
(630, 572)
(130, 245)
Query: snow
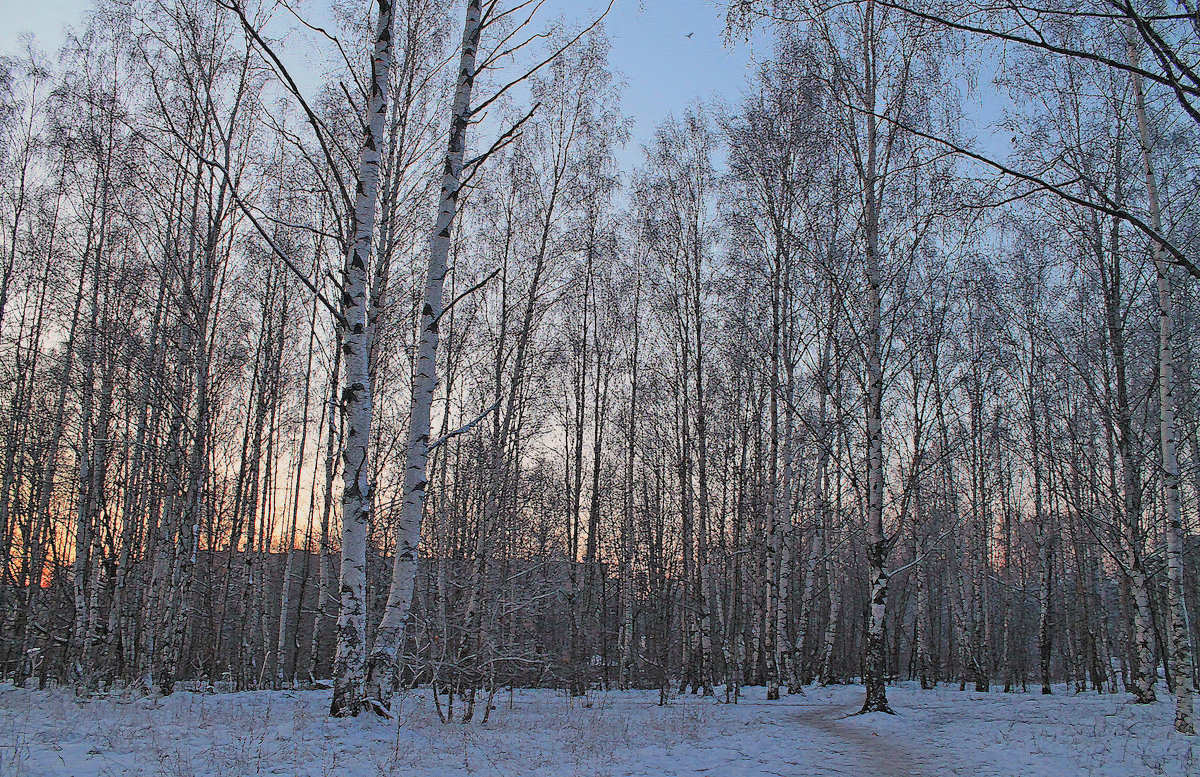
(541, 733)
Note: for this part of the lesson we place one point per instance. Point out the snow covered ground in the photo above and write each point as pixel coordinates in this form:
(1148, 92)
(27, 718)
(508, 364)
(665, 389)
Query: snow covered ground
(609, 734)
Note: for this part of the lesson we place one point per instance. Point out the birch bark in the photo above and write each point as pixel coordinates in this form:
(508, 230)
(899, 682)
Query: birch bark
(1177, 632)
(877, 542)
(389, 637)
(350, 671)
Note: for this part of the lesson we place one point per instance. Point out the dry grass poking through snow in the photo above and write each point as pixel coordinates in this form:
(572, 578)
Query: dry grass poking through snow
(546, 734)
(531, 733)
(1063, 735)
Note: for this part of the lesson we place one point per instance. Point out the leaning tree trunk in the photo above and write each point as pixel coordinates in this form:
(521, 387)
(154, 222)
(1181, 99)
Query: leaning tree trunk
(285, 586)
(350, 660)
(324, 550)
(389, 636)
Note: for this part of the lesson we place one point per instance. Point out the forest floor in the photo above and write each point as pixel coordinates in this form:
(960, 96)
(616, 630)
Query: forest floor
(606, 734)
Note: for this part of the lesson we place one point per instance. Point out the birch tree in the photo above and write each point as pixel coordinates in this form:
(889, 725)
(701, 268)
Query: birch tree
(1178, 638)
(350, 670)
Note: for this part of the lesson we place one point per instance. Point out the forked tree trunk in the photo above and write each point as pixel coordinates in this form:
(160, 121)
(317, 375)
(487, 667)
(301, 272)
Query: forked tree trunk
(389, 637)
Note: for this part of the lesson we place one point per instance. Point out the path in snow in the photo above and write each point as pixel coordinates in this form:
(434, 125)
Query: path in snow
(858, 752)
(802, 738)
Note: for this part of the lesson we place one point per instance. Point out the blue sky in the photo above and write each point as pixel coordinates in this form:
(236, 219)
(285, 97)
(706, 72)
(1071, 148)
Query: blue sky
(44, 18)
(663, 69)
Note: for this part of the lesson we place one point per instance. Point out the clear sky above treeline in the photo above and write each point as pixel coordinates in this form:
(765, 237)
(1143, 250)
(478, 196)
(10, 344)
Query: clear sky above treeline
(664, 70)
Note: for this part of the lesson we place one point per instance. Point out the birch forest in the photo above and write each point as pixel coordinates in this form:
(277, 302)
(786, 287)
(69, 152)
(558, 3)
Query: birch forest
(421, 374)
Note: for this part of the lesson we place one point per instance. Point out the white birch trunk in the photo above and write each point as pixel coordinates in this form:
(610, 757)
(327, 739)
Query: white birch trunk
(350, 660)
(874, 666)
(1178, 643)
(769, 633)
(389, 637)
